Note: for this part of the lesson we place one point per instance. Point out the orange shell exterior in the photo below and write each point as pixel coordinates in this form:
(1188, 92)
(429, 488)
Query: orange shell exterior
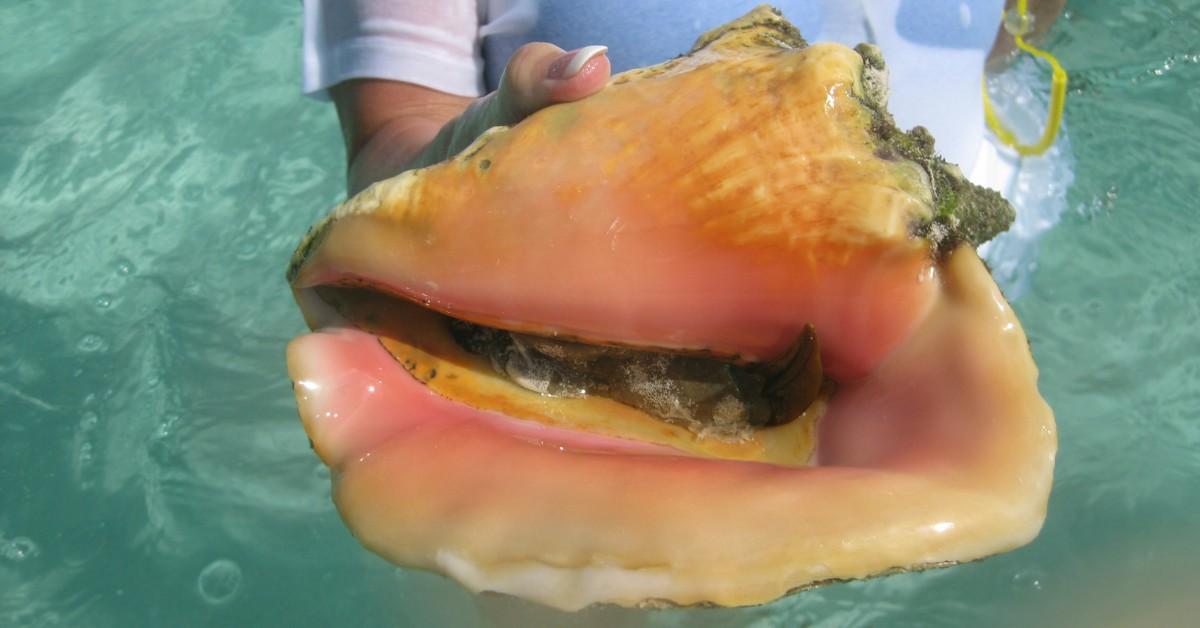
(719, 202)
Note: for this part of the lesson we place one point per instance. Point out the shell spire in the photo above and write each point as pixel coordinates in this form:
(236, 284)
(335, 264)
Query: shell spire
(763, 27)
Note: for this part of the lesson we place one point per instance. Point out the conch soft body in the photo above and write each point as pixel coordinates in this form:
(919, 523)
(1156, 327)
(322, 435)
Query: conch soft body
(746, 215)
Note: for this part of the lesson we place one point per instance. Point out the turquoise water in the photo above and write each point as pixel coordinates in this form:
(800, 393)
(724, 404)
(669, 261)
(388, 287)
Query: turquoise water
(156, 168)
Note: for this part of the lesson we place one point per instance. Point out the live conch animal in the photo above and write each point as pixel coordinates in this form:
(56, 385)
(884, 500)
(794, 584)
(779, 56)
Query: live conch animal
(711, 335)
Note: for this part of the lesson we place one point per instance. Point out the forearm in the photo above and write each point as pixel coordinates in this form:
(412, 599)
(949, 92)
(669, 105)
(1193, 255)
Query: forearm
(390, 127)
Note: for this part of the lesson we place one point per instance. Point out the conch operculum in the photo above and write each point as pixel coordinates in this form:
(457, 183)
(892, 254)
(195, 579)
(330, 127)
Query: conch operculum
(715, 205)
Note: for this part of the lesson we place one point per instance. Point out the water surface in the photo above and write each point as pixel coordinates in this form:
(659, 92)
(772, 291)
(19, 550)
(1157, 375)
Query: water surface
(156, 168)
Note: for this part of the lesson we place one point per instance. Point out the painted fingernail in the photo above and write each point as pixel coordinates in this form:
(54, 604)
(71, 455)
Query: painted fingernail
(571, 63)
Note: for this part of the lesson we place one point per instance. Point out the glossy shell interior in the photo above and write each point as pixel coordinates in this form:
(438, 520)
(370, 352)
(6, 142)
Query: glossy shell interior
(717, 203)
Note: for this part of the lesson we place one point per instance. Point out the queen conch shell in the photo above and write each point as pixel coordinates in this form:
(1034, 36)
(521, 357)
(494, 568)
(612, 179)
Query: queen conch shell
(714, 206)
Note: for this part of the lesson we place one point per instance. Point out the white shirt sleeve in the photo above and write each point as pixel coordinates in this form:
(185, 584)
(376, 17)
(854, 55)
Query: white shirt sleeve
(432, 43)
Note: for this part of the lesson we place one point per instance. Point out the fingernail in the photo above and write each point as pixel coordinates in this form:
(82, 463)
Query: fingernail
(571, 63)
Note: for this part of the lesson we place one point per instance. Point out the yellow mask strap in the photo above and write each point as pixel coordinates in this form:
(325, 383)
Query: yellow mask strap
(1018, 25)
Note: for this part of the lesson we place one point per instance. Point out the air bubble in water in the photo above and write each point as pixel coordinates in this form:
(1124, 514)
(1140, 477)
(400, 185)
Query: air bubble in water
(103, 301)
(18, 549)
(1029, 580)
(86, 454)
(220, 581)
(166, 427)
(321, 472)
(125, 267)
(91, 343)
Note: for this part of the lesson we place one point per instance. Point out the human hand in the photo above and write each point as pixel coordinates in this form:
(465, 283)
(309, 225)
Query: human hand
(391, 127)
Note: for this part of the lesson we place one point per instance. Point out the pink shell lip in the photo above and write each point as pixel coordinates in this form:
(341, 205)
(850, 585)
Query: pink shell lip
(367, 398)
(944, 454)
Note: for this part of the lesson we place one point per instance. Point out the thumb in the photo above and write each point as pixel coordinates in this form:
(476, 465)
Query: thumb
(539, 75)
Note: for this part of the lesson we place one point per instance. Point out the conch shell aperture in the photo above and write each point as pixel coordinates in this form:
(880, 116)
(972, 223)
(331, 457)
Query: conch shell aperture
(733, 211)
